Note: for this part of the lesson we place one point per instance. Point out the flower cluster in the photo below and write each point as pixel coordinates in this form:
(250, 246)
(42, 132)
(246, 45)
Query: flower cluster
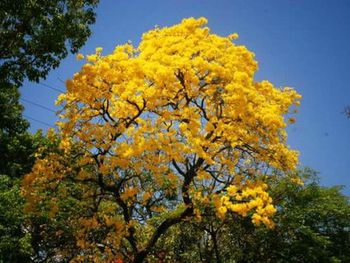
(242, 200)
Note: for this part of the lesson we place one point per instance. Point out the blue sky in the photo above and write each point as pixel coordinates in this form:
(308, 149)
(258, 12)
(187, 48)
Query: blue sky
(302, 44)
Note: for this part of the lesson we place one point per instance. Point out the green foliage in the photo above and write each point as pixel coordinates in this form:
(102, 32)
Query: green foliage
(15, 242)
(36, 35)
(312, 225)
(315, 224)
(11, 120)
(12, 131)
(17, 149)
(17, 145)
(16, 158)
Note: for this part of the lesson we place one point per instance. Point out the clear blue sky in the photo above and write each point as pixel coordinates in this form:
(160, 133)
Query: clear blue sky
(302, 44)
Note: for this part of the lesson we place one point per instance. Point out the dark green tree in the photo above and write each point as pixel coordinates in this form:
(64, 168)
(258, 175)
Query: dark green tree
(17, 145)
(15, 242)
(17, 150)
(35, 35)
(312, 225)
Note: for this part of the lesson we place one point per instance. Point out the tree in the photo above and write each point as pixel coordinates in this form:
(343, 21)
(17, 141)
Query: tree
(12, 133)
(158, 135)
(313, 222)
(15, 246)
(17, 150)
(312, 225)
(15, 239)
(36, 35)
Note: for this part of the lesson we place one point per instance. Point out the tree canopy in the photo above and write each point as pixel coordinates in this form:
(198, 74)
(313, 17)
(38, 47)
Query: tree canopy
(312, 225)
(160, 134)
(36, 35)
(17, 148)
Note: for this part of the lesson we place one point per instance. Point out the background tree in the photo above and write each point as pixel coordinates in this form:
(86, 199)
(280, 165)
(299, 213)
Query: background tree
(313, 222)
(17, 150)
(165, 132)
(15, 245)
(312, 225)
(36, 35)
(13, 136)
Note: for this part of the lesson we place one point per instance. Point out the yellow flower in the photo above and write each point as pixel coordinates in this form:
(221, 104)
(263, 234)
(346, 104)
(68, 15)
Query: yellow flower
(98, 50)
(222, 210)
(297, 180)
(79, 56)
(233, 36)
(232, 190)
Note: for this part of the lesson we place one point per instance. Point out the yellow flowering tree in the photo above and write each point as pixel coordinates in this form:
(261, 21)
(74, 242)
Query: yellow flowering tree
(166, 131)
